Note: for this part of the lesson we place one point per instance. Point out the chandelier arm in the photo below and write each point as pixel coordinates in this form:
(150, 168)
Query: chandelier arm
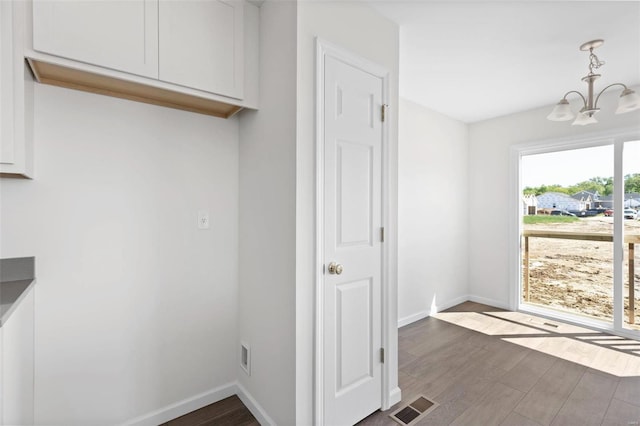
(595, 105)
(584, 100)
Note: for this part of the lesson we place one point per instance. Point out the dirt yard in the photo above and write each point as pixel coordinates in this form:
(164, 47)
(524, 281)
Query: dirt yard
(577, 275)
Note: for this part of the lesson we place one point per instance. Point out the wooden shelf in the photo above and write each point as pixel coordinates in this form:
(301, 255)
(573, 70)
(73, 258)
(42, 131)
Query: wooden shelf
(71, 78)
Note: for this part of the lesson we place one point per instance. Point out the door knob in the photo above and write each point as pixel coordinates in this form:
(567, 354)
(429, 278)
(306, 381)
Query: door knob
(335, 268)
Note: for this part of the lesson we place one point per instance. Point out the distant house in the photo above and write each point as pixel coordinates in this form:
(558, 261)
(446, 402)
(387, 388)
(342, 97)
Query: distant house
(529, 204)
(557, 200)
(632, 200)
(588, 198)
(583, 194)
(585, 198)
(605, 202)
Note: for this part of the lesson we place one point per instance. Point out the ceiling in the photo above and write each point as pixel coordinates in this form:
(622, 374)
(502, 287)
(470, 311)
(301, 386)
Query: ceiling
(477, 60)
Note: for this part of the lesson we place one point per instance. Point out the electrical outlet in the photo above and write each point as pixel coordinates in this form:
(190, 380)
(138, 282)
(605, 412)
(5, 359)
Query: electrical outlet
(245, 357)
(203, 219)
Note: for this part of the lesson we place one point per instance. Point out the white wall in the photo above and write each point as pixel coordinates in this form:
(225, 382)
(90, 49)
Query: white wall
(135, 307)
(359, 29)
(267, 220)
(433, 215)
(489, 182)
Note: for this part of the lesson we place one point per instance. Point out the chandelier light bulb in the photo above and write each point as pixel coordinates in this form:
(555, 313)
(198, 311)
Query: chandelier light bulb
(629, 101)
(583, 119)
(561, 112)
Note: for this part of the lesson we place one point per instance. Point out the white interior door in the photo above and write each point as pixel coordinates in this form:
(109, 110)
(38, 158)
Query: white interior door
(352, 317)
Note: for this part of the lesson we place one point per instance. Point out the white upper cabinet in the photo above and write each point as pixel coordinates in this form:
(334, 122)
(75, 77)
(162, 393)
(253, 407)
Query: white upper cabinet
(196, 55)
(16, 95)
(6, 82)
(117, 34)
(201, 45)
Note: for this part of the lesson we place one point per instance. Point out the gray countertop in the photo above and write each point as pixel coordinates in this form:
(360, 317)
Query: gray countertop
(17, 275)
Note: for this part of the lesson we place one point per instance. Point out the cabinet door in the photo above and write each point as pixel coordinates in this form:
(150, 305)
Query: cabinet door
(6, 83)
(16, 94)
(1, 376)
(117, 34)
(201, 45)
(18, 364)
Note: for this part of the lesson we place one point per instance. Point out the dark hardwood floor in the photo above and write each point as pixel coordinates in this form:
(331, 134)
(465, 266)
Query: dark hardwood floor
(228, 412)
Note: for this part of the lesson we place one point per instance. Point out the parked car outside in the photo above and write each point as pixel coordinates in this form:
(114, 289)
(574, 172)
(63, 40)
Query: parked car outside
(608, 212)
(630, 214)
(578, 213)
(561, 213)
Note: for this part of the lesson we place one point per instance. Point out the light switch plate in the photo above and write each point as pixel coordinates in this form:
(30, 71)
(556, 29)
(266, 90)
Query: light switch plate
(203, 219)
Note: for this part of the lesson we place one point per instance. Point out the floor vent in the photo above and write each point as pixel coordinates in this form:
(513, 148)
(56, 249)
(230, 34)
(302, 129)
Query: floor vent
(413, 412)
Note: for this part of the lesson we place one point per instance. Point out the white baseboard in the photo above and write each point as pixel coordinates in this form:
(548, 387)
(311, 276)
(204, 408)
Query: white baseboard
(490, 302)
(434, 310)
(258, 412)
(188, 405)
(451, 303)
(395, 396)
(183, 407)
(413, 318)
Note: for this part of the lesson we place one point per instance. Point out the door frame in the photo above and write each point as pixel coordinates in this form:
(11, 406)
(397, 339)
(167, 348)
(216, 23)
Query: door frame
(615, 138)
(389, 396)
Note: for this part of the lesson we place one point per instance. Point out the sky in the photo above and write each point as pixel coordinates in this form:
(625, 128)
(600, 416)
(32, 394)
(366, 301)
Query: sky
(570, 167)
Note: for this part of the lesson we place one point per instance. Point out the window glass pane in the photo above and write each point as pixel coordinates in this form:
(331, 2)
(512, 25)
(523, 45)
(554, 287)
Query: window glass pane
(567, 197)
(631, 291)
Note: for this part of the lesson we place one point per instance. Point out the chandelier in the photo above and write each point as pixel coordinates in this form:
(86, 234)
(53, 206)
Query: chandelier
(629, 100)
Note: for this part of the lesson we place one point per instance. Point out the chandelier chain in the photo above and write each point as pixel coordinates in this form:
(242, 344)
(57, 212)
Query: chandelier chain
(594, 62)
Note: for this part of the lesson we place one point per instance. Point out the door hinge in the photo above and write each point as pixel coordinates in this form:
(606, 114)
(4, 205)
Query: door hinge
(382, 234)
(382, 355)
(383, 112)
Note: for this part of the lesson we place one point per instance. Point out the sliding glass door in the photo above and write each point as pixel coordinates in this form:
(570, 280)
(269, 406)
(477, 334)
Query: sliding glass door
(631, 284)
(580, 232)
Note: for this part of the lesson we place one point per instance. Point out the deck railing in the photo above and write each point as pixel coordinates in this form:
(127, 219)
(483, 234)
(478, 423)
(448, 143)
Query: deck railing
(630, 239)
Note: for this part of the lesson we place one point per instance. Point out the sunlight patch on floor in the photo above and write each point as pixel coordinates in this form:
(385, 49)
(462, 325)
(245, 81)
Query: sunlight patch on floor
(487, 324)
(609, 354)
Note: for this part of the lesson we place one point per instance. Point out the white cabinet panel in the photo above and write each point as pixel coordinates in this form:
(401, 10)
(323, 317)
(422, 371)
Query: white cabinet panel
(17, 364)
(16, 95)
(6, 83)
(201, 45)
(1, 377)
(116, 34)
